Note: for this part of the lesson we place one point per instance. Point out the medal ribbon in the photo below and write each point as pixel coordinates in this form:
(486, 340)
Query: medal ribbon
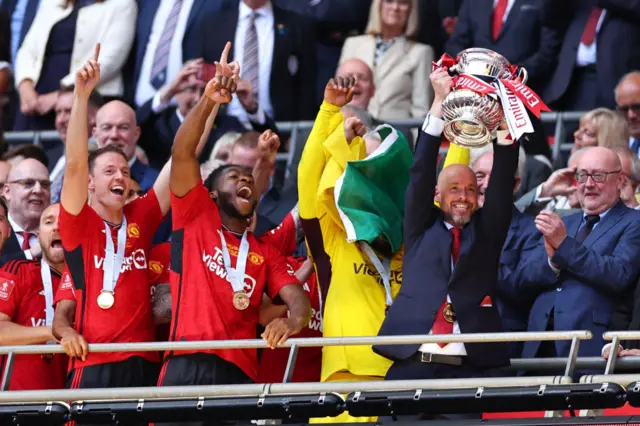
(112, 260)
(45, 273)
(383, 268)
(236, 276)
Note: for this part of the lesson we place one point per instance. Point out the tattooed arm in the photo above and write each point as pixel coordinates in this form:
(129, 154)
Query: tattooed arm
(162, 304)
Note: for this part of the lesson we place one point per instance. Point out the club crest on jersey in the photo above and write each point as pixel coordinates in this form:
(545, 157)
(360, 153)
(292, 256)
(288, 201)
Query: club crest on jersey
(66, 282)
(6, 287)
(133, 230)
(215, 264)
(156, 267)
(253, 257)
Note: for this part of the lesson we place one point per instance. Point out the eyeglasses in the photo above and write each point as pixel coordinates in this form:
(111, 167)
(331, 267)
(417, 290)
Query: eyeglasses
(624, 109)
(30, 183)
(398, 2)
(597, 177)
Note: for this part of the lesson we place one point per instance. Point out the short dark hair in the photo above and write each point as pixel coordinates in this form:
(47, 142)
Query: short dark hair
(27, 151)
(93, 156)
(211, 182)
(3, 204)
(95, 100)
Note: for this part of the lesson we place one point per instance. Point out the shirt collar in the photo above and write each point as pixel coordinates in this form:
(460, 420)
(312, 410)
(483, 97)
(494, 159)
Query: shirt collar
(245, 11)
(602, 215)
(14, 225)
(180, 116)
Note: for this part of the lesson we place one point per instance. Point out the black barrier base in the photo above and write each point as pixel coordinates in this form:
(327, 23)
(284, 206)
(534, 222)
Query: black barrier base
(54, 414)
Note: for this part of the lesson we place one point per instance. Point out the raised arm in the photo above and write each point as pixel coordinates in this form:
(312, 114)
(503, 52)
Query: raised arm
(268, 145)
(185, 169)
(76, 170)
(422, 183)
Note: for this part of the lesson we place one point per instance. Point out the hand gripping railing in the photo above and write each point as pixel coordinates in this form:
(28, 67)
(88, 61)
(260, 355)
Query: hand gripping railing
(294, 344)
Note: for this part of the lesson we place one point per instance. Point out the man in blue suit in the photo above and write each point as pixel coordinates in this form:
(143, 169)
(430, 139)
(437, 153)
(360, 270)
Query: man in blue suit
(451, 258)
(513, 305)
(586, 262)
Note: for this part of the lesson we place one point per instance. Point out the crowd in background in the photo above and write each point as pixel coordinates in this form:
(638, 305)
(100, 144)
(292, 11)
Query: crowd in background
(157, 62)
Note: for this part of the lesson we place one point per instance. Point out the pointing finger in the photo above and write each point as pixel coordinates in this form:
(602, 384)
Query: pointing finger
(225, 53)
(96, 53)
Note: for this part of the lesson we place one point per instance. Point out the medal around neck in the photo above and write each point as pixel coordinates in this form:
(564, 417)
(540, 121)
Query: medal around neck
(106, 299)
(240, 300)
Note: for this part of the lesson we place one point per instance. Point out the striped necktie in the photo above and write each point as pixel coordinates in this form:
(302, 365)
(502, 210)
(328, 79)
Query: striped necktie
(250, 52)
(161, 56)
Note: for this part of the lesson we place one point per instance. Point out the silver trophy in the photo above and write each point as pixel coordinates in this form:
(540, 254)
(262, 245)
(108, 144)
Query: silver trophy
(471, 117)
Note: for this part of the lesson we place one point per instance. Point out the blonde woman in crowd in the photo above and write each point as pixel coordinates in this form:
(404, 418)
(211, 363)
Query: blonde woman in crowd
(401, 66)
(601, 127)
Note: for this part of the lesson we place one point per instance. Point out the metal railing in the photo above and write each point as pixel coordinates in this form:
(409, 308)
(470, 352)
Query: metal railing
(569, 365)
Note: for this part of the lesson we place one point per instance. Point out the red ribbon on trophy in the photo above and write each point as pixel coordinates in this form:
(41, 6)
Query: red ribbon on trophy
(514, 96)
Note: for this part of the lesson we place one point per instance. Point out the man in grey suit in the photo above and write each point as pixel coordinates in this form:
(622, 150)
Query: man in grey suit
(557, 194)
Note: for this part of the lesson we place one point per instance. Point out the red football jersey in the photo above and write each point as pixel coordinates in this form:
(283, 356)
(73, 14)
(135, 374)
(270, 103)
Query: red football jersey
(202, 296)
(159, 264)
(22, 299)
(283, 237)
(130, 318)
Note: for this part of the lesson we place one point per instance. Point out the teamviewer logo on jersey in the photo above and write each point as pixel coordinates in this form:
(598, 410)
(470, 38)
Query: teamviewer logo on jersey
(137, 259)
(215, 264)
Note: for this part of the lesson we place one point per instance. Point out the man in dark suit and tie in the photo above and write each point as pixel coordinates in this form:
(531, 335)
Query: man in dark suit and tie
(21, 14)
(628, 100)
(451, 259)
(166, 33)
(600, 46)
(587, 262)
(516, 29)
(275, 49)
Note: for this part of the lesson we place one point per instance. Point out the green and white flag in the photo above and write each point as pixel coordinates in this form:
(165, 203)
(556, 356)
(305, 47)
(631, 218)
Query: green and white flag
(370, 193)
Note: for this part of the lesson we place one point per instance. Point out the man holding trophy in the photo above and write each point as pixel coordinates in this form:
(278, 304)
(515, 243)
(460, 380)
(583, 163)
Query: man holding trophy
(452, 251)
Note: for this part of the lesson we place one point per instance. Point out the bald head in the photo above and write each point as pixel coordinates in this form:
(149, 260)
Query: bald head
(628, 100)
(604, 164)
(27, 192)
(364, 88)
(116, 125)
(457, 193)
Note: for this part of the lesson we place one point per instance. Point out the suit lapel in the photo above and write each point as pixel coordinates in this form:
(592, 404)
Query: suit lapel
(511, 17)
(193, 14)
(573, 224)
(614, 216)
(514, 228)
(444, 248)
(392, 57)
(12, 245)
(137, 171)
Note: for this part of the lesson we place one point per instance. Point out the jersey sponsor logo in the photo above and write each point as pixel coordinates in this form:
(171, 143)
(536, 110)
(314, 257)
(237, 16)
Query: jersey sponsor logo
(37, 322)
(253, 257)
(367, 269)
(6, 287)
(133, 230)
(215, 264)
(316, 320)
(156, 267)
(137, 260)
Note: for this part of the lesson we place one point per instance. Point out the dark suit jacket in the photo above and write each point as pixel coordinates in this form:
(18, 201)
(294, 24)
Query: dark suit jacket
(276, 204)
(145, 175)
(594, 278)
(626, 315)
(536, 172)
(292, 90)
(146, 14)
(427, 276)
(11, 250)
(526, 39)
(512, 304)
(9, 6)
(617, 46)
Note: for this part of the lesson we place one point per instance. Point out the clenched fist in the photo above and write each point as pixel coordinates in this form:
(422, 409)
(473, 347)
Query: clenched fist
(268, 143)
(339, 91)
(220, 89)
(353, 127)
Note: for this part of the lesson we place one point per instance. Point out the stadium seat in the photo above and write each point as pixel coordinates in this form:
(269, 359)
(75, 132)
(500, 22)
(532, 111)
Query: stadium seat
(281, 407)
(49, 414)
(450, 401)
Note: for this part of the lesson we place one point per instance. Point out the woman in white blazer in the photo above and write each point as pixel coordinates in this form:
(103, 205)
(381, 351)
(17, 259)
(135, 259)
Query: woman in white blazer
(400, 65)
(62, 37)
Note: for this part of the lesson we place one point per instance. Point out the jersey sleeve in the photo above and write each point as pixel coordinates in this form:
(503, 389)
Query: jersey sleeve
(188, 208)
(10, 295)
(279, 272)
(66, 290)
(159, 259)
(76, 229)
(283, 237)
(145, 211)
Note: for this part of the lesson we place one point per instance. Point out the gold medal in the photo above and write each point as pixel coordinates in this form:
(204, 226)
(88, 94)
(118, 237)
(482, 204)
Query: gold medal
(106, 299)
(240, 300)
(448, 313)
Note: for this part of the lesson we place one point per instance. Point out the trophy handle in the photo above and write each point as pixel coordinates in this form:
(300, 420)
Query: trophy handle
(453, 71)
(523, 75)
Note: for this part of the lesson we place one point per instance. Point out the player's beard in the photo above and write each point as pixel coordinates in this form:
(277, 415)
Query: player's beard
(225, 205)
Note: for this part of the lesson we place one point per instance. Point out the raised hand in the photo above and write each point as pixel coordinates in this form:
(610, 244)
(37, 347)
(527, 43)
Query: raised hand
(353, 127)
(561, 182)
(442, 83)
(180, 81)
(245, 96)
(223, 68)
(268, 144)
(339, 91)
(89, 75)
(220, 89)
(552, 229)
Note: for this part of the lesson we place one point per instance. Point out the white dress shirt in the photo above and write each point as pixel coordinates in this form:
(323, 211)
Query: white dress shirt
(144, 89)
(434, 127)
(509, 7)
(587, 54)
(58, 168)
(17, 229)
(264, 28)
